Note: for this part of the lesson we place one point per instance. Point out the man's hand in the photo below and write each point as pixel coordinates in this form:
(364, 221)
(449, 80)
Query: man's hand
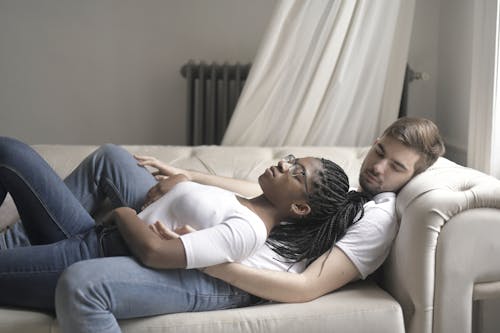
(111, 217)
(242, 187)
(162, 169)
(163, 186)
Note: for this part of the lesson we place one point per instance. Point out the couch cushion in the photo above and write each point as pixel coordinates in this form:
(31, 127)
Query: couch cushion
(357, 308)
(20, 321)
(240, 162)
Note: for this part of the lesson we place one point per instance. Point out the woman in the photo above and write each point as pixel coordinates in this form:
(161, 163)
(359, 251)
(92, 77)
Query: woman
(61, 231)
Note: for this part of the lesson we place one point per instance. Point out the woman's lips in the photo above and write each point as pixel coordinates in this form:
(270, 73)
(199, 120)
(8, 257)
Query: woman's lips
(273, 171)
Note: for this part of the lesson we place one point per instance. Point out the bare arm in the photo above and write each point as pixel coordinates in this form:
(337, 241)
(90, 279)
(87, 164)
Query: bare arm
(146, 245)
(242, 187)
(319, 278)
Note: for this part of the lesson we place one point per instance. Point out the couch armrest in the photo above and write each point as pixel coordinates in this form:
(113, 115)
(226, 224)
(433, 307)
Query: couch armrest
(443, 246)
(465, 262)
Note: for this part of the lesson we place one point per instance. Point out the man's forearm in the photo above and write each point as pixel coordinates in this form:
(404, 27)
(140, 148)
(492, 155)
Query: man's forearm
(240, 186)
(243, 187)
(327, 273)
(270, 285)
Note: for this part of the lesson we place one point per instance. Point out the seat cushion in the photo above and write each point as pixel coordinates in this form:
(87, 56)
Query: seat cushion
(18, 321)
(358, 307)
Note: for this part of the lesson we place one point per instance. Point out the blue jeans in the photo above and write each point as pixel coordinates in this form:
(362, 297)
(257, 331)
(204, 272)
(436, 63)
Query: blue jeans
(57, 227)
(92, 294)
(58, 230)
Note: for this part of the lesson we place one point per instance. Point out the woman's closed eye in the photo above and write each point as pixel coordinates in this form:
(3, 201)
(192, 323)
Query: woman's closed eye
(294, 169)
(297, 170)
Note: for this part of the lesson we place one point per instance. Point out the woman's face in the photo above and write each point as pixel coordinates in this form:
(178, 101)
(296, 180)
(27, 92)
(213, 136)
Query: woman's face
(290, 181)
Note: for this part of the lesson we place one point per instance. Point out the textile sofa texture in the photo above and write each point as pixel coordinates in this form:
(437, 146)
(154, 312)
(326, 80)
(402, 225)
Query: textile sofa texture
(439, 264)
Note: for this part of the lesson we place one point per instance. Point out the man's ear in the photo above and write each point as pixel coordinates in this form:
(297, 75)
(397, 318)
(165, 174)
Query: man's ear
(300, 209)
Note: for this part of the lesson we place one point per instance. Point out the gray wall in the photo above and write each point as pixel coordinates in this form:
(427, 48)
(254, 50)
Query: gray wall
(441, 45)
(97, 71)
(94, 71)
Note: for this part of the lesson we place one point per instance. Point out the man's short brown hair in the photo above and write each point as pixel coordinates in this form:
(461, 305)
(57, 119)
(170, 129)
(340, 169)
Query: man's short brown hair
(420, 134)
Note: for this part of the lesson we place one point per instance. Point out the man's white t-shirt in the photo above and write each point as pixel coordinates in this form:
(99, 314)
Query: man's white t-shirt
(367, 242)
(230, 232)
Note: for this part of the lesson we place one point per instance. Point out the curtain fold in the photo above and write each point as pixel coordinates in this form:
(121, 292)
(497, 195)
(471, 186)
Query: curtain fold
(483, 149)
(326, 73)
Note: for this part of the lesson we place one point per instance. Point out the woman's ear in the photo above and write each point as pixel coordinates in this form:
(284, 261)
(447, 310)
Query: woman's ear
(300, 209)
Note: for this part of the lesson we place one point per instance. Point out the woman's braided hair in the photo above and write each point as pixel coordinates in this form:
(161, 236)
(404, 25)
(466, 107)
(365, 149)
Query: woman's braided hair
(333, 209)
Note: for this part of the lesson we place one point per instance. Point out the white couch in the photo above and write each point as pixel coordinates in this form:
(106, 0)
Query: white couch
(439, 265)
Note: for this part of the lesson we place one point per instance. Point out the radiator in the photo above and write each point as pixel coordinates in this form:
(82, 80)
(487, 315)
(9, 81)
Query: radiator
(212, 93)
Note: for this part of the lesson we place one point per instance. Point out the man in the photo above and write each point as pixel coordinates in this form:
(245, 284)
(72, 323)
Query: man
(406, 148)
(91, 294)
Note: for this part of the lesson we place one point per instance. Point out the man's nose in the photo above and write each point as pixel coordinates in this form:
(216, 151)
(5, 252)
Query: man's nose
(380, 167)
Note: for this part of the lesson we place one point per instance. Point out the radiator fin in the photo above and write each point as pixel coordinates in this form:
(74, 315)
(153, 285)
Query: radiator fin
(212, 93)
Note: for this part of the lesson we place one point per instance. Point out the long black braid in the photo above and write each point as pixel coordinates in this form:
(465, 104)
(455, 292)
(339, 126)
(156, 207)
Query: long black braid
(333, 209)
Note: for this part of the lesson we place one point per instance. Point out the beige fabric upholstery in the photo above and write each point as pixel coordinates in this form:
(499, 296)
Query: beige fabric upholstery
(444, 247)
(439, 264)
(360, 307)
(20, 321)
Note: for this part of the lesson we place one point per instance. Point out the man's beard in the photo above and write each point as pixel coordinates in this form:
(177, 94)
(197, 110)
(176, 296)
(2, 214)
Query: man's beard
(369, 187)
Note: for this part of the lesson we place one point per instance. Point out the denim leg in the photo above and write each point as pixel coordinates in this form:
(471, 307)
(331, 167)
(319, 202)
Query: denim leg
(47, 207)
(110, 172)
(93, 294)
(28, 275)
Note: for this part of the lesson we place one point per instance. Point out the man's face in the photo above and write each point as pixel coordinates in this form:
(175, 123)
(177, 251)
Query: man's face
(388, 166)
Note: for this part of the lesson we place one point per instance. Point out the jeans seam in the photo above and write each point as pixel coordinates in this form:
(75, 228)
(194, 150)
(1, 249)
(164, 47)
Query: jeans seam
(37, 197)
(33, 272)
(116, 193)
(189, 292)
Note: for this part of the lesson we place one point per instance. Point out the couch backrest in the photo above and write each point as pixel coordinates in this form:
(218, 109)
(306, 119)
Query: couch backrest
(239, 162)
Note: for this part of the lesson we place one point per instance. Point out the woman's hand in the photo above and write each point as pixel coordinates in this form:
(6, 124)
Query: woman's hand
(162, 169)
(147, 247)
(166, 233)
(163, 186)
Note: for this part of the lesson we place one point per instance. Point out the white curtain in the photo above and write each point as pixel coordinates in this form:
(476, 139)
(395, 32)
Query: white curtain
(483, 151)
(327, 73)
